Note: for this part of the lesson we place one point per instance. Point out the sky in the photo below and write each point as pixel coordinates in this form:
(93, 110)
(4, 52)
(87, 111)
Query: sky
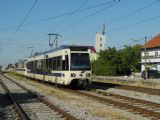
(77, 21)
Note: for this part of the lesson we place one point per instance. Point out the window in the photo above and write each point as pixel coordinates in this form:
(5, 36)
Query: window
(30, 66)
(100, 39)
(40, 64)
(146, 53)
(156, 53)
(65, 64)
(58, 67)
(80, 61)
(54, 63)
(48, 64)
(100, 45)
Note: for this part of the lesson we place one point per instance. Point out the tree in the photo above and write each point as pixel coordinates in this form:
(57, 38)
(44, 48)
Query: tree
(107, 62)
(9, 66)
(118, 62)
(130, 58)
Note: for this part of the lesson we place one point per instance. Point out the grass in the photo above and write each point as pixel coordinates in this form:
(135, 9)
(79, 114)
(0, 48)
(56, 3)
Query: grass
(47, 89)
(103, 112)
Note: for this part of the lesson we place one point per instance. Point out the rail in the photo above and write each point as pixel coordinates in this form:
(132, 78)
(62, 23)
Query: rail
(18, 108)
(129, 87)
(66, 115)
(136, 109)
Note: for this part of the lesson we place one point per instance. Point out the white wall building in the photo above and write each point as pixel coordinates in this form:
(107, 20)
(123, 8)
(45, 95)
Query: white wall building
(152, 58)
(100, 40)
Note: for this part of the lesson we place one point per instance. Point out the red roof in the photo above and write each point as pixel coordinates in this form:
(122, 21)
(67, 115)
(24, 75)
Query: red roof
(93, 50)
(153, 43)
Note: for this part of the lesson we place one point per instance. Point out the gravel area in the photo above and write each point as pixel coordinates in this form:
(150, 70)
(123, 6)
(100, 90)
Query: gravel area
(35, 109)
(81, 107)
(133, 94)
(7, 110)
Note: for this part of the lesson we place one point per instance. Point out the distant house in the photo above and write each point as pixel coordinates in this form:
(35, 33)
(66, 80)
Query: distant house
(93, 55)
(152, 58)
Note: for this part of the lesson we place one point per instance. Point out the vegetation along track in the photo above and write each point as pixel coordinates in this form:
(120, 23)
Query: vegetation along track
(130, 88)
(31, 105)
(144, 108)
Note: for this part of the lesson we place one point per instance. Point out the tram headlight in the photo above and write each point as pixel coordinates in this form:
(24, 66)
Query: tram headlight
(88, 75)
(73, 75)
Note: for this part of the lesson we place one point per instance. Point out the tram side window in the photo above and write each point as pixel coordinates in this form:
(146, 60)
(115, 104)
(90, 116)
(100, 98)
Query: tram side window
(50, 64)
(65, 64)
(58, 67)
(46, 63)
(30, 66)
(54, 64)
(27, 65)
(39, 66)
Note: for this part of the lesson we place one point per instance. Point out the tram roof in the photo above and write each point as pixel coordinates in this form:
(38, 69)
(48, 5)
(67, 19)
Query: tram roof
(61, 48)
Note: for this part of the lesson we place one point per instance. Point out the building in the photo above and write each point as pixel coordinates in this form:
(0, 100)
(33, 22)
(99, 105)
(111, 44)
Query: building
(93, 55)
(150, 57)
(100, 40)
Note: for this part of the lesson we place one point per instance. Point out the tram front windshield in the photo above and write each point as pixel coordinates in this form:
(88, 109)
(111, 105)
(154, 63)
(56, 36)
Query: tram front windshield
(80, 61)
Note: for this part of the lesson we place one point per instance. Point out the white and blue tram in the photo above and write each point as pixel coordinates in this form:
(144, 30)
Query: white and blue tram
(66, 65)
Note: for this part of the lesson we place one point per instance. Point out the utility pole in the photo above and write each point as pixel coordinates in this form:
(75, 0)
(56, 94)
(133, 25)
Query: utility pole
(145, 57)
(55, 39)
(31, 50)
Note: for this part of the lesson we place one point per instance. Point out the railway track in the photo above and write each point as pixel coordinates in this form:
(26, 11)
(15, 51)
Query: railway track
(150, 91)
(32, 106)
(7, 108)
(137, 106)
(144, 108)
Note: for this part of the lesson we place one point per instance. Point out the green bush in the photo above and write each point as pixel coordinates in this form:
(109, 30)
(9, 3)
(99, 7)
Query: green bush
(113, 62)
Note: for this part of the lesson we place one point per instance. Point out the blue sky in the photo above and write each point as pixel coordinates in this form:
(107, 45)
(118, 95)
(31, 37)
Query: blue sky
(125, 20)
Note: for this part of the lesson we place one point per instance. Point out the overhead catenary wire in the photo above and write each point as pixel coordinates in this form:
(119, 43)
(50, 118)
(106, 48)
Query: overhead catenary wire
(141, 41)
(64, 19)
(105, 3)
(131, 43)
(85, 33)
(132, 13)
(123, 17)
(24, 19)
(134, 24)
(93, 14)
(68, 16)
(111, 3)
(68, 13)
(58, 16)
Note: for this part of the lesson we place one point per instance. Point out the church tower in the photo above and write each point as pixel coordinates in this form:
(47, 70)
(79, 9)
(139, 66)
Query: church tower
(100, 40)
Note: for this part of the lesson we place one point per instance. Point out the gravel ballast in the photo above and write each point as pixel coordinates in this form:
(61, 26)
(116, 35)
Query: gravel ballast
(81, 107)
